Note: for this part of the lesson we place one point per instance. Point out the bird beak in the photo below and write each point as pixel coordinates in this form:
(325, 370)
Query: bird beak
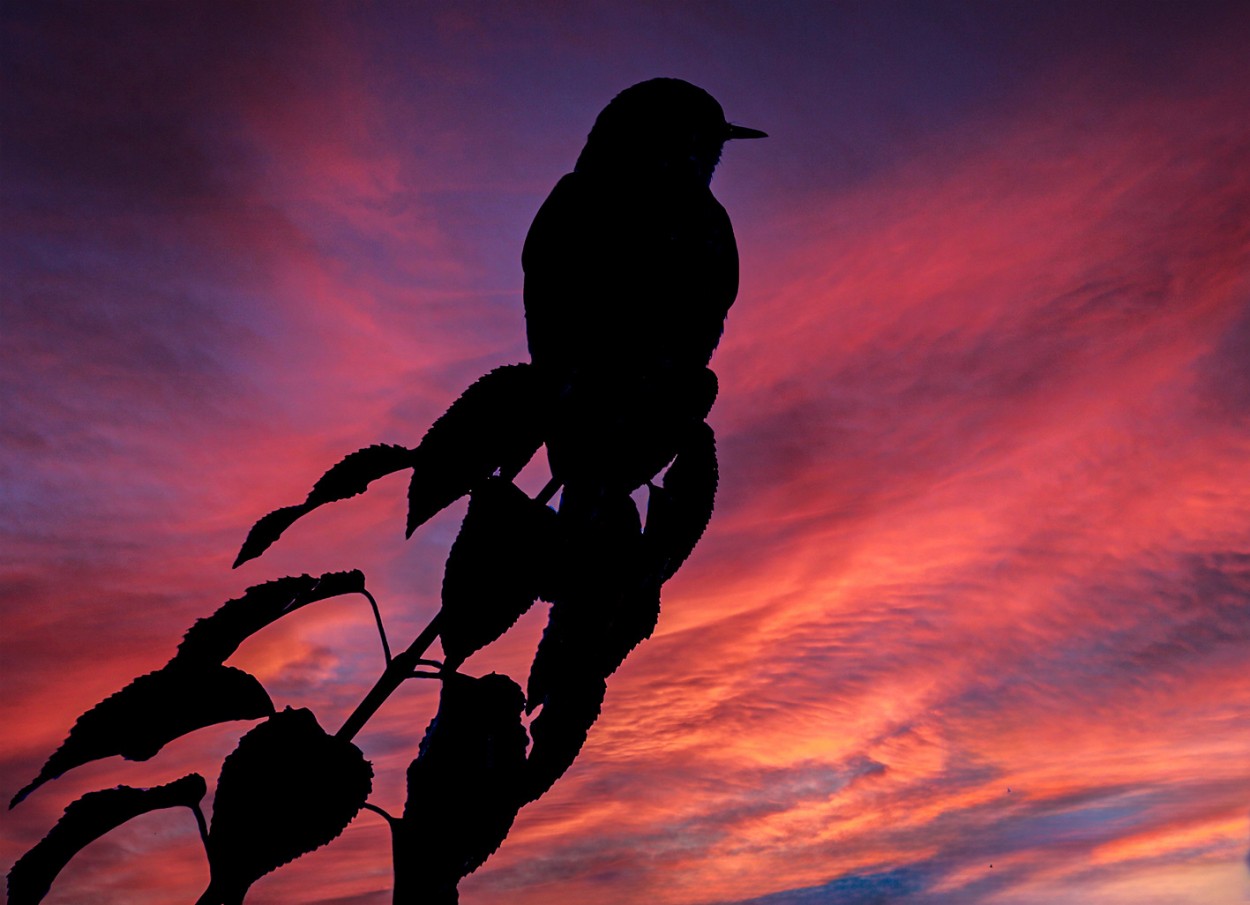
(735, 131)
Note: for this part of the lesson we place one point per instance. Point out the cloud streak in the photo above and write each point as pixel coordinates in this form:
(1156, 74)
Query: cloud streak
(976, 587)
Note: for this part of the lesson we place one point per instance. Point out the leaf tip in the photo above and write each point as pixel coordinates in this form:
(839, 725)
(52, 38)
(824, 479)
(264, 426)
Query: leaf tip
(44, 776)
(268, 529)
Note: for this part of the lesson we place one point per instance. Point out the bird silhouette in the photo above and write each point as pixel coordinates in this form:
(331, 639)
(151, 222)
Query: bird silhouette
(630, 269)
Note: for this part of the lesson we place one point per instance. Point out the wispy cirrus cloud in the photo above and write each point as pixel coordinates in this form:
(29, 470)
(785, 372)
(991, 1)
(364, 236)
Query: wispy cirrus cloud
(982, 516)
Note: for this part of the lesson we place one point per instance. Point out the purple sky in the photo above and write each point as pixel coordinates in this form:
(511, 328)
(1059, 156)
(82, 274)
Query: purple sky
(984, 520)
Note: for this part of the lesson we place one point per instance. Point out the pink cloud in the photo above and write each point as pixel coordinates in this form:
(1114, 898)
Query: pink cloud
(982, 520)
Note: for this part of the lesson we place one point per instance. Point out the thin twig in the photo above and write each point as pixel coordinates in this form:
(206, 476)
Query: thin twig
(201, 823)
(544, 496)
(377, 810)
(377, 615)
(404, 665)
(400, 668)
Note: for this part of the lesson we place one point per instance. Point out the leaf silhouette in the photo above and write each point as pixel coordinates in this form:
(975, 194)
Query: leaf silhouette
(357, 471)
(600, 539)
(610, 601)
(496, 567)
(153, 710)
(267, 530)
(86, 820)
(618, 431)
(606, 606)
(463, 788)
(215, 638)
(348, 478)
(607, 601)
(585, 641)
(287, 789)
(498, 423)
(589, 638)
(679, 510)
(570, 707)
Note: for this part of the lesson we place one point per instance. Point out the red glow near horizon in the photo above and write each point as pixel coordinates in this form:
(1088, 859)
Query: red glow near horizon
(976, 588)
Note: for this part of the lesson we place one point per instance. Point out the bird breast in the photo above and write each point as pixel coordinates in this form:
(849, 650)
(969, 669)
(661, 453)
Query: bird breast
(619, 273)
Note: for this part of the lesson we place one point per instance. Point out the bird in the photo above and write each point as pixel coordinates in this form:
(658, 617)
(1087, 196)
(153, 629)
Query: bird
(631, 258)
(630, 268)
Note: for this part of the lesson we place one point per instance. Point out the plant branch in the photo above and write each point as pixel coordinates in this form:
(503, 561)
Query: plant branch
(397, 670)
(377, 616)
(201, 823)
(549, 490)
(381, 811)
(403, 666)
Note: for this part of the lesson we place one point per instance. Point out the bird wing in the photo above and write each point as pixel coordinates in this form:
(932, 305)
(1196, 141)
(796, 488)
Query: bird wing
(627, 276)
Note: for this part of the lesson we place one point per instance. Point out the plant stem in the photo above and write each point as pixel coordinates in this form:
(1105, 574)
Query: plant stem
(544, 496)
(201, 823)
(377, 617)
(400, 668)
(379, 811)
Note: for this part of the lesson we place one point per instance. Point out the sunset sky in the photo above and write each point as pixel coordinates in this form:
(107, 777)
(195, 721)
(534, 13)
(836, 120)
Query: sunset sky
(971, 623)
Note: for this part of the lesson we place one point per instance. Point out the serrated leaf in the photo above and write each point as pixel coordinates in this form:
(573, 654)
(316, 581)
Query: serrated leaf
(287, 789)
(606, 604)
(495, 569)
(357, 471)
(332, 584)
(617, 431)
(590, 638)
(679, 510)
(464, 787)
(498, 423)
(600, 537)
(86, 820)
(152, 711)
(267, 530)
(350, 477)
(215, 638)
(569, 709)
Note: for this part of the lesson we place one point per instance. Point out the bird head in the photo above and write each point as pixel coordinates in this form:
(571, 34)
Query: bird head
(661, 128)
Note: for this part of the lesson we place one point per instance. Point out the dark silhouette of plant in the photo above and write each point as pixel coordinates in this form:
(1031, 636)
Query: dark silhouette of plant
(287, 789)
(630, 269)
(89, 818)
(462, 788)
